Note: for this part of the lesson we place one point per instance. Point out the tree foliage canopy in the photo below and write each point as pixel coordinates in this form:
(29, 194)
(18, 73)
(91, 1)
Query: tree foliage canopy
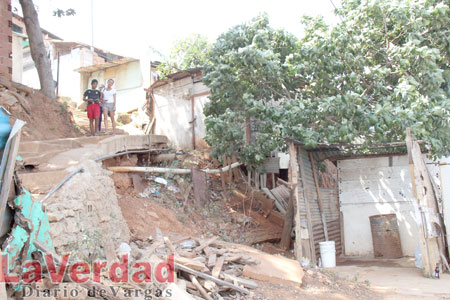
(384, 68)
(247, 73)
(190, 52)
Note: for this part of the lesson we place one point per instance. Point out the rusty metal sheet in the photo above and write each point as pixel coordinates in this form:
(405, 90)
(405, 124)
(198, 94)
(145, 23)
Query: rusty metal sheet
(201, 194)
(385, 236)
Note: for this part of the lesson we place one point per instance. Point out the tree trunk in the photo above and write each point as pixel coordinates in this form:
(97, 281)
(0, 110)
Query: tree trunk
(248, 131)
(37, 47)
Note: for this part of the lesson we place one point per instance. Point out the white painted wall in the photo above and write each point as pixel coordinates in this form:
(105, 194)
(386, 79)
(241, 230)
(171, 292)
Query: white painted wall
(17, 57)
(30, 75)
(128, 84)
(173, 112)
(374, 186)
(69, 79)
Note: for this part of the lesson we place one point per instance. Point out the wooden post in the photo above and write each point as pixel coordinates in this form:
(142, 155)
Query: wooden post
(193, 114)
(308, 213)
(319, 198)
(248, 131)
(293, 178)
(285, 242)
(224, 187)
(230, 173)
(426, 203)
(235, 170)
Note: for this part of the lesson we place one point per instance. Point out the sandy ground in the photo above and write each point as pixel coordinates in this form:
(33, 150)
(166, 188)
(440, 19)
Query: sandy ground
(394, 279)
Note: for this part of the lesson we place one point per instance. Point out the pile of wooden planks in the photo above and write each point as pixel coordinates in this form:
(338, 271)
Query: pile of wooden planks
(206, 268)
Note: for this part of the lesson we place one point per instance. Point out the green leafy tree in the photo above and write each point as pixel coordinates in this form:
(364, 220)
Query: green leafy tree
(187, 53)
(247, 74)
(384, 68)
(365, 80)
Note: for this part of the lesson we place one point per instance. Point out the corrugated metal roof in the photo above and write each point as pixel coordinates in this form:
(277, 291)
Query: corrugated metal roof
(105, 65)
(176, 76)
(346, 151)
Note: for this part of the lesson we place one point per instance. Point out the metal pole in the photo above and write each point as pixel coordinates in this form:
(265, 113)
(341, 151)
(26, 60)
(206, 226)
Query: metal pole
(57, 187)
(57, 78)
(92, 25)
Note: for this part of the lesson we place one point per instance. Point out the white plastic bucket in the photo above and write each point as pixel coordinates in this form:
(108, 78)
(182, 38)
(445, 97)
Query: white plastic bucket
(328, 254)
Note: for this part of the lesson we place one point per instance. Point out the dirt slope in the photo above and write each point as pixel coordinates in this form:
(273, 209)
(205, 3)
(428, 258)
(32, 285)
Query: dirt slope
(46, 118)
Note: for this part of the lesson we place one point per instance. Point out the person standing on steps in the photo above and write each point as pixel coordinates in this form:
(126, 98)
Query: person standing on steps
(92, 97)
(101, 108)
(109, 104)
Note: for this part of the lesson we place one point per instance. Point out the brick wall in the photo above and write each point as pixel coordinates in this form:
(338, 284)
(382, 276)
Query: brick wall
(5, 39)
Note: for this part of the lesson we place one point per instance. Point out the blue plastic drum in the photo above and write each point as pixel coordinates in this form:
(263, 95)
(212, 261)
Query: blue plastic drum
(5, 127)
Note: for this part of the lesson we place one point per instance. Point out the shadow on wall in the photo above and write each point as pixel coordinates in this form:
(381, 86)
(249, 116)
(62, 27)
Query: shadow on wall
(374, 186)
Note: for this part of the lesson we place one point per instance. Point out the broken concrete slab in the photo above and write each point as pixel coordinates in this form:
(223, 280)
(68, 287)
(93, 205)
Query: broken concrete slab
(274, 269)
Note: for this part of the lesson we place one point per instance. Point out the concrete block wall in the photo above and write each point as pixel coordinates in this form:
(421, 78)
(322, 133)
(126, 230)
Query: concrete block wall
(5, 39)
(85, 217)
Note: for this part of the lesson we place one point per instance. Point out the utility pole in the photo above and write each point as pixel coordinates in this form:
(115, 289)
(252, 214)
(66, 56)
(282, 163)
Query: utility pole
(92, 25)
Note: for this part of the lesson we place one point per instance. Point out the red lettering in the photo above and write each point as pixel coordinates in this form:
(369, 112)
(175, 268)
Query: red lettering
(56, 277)
(123, 270)
(4, 274)
(34, 275)
(142, 275)
(169, 270)
(98, 266)
(79, 268)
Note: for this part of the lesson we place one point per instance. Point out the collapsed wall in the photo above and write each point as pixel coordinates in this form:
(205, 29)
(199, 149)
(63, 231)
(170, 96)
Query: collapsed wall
(85, 217)
(84, 214)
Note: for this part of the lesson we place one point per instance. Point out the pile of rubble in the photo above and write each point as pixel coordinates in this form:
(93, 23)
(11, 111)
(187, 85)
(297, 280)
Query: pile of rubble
(206, 268)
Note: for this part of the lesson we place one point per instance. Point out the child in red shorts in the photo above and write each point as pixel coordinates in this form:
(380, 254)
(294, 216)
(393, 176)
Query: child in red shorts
(92, 96)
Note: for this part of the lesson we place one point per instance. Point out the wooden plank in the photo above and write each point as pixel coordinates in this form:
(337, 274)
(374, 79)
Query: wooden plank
(263, 235)
(201, 194)
(308, 211)
(293, 179)
(212, 278)
(199, 287)
(190, 263)
(276, 218)
(208, 251)
(244, 282)
(90, 285)
(427, 204)
(153, 247)
(187, 254)
(218, 267)
(206, 244)
(278, 203)
(285, 242)
(170, 245)
(212, 260)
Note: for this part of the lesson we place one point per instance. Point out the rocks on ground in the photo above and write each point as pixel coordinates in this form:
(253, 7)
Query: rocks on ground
(46, 118)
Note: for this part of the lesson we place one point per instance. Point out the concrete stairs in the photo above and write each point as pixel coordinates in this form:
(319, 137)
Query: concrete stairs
(81, 119)
(47, 163)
